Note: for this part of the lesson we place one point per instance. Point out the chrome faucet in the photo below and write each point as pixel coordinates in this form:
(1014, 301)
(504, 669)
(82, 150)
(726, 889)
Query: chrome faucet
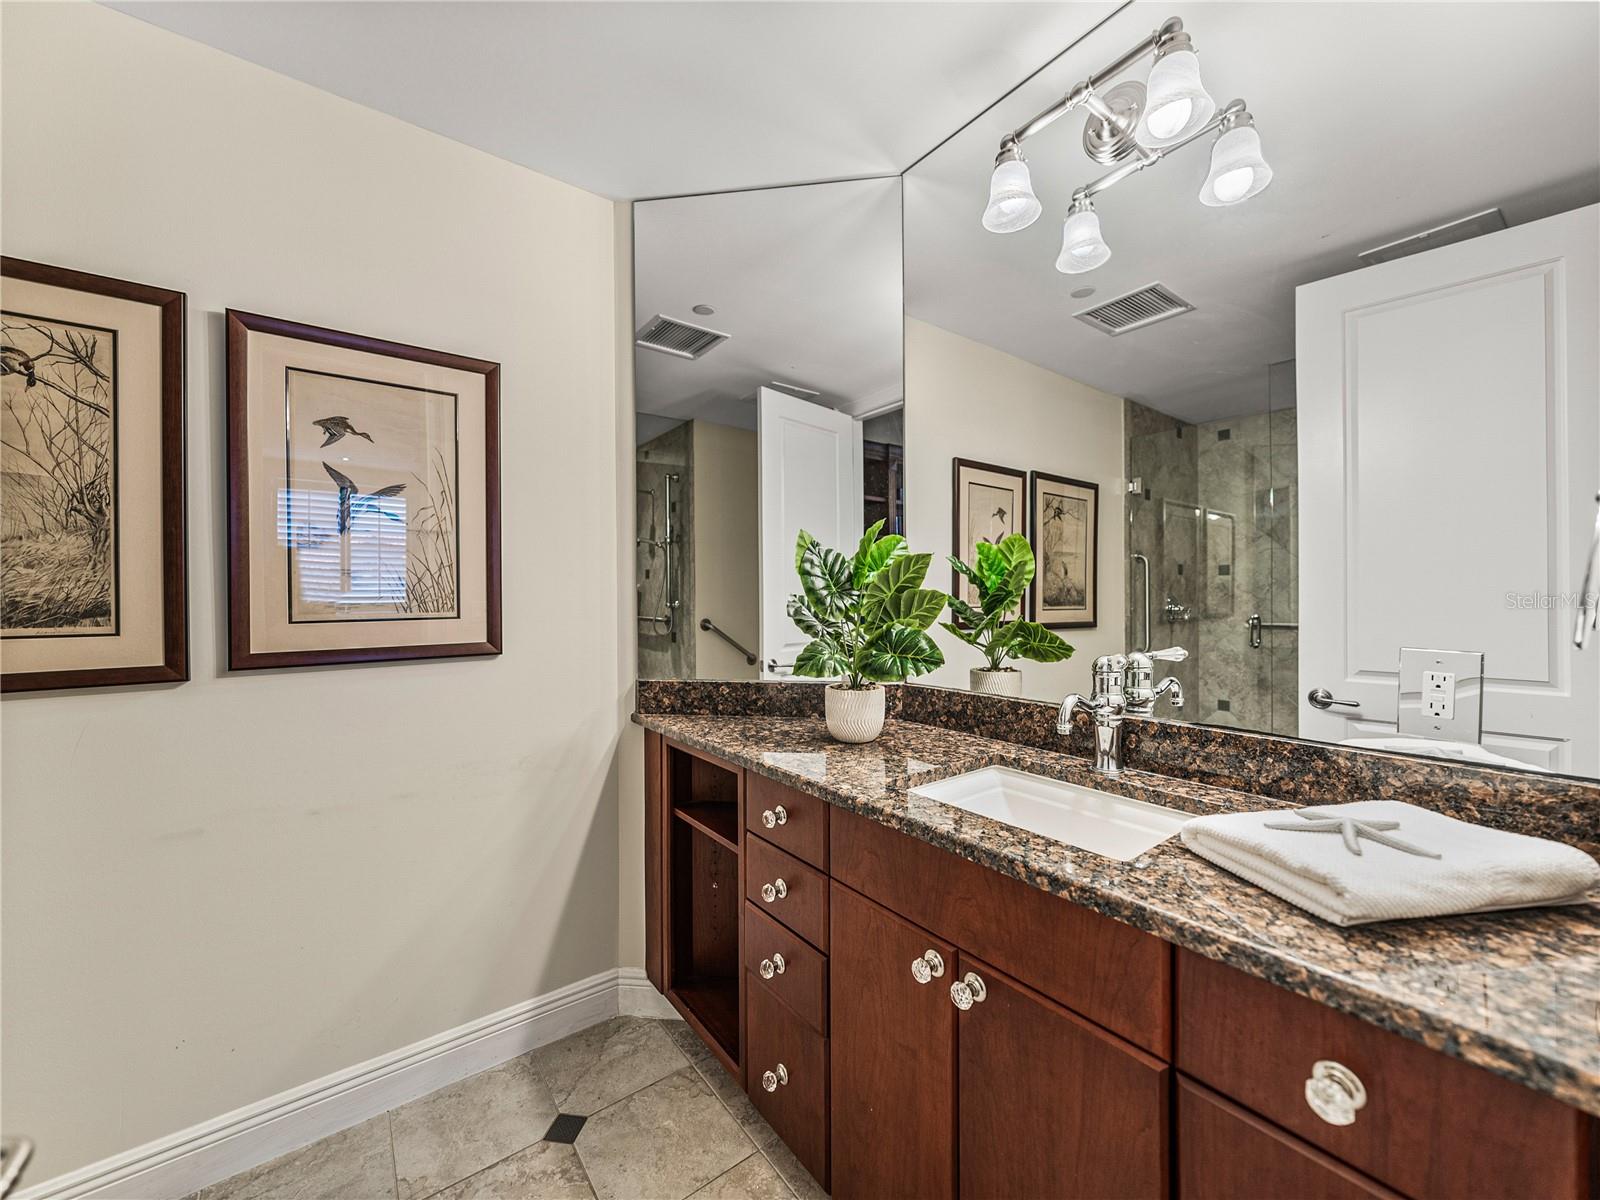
(1123, 687)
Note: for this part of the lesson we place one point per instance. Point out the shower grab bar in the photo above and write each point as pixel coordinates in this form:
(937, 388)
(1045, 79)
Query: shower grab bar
(1255, 624)
(707, 625)
(1144, 643)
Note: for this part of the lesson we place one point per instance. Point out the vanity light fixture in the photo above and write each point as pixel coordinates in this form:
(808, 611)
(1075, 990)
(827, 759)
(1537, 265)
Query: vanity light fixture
(1134, 125)
(1082, 247)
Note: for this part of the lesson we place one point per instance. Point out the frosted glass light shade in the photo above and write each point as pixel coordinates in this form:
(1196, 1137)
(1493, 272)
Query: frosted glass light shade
(1237, 169)
(1012, 204)
(1176, 102)
(1082, 247)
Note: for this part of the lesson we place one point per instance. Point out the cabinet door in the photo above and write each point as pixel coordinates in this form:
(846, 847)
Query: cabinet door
(1225, 1152)
(1051, 1105)
(894, 1057)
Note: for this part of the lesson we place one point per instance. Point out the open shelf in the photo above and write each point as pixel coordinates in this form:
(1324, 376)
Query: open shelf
(714, 1003)
(719, 822)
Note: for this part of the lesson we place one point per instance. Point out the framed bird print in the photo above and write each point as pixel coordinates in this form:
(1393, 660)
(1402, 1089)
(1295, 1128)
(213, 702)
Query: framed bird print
(988, 503)
(92, 587)
(363, 498)
(1066, 532)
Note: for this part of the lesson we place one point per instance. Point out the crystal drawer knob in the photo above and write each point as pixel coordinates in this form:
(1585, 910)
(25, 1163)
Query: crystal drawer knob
(775, 816)
(967, 991)
(1335, 1093)
(929, 966)
(772, 1080)
(776, 890)
(773, 966)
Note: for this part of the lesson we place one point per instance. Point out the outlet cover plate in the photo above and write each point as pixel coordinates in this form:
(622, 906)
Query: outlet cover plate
(1462, 718)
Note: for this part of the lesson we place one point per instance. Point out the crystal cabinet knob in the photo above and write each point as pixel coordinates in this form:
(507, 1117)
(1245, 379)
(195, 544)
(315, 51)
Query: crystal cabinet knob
(929, 966)
(1335, 1093)
(967, 991)
(775, 1078)
(773, 966)
(774, 816)
(776, 890)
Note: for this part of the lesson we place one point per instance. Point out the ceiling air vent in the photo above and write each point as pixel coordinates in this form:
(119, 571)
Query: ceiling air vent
(1135, 310)
(678, 338)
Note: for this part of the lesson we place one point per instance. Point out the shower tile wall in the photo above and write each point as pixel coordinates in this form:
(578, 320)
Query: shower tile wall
(663, 654)
(1216, 515)
(1161, 456)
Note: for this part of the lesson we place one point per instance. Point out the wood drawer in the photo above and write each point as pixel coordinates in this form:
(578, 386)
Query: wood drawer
(804, 905)
(796, 1109)
(1111, 973)
(1225, 1152)
(802, 984)
(799, 822)
(1432, 1125)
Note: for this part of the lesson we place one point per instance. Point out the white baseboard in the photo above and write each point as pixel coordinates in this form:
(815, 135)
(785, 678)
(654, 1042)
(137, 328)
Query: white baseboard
(174, 1166)
(637, 997)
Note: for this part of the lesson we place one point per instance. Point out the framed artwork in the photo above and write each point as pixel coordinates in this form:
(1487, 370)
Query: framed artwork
(92, 589)
(1066, 549)
(363, 498)
(988, 503)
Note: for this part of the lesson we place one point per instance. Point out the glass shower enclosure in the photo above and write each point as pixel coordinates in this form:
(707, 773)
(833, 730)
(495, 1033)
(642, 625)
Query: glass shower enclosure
(1212, 525)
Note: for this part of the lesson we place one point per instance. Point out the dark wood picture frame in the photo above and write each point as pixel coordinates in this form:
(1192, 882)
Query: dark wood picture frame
(240, 325)
(1036, 589)
(174, 664)
(957, 545)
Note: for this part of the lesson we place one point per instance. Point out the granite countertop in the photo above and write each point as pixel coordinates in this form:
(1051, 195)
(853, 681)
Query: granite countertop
(1517, 993)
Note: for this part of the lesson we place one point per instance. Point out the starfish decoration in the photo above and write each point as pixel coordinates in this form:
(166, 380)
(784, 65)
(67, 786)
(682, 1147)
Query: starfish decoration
(1352, 829)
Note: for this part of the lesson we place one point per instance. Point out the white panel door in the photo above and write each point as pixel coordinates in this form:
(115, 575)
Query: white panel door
(810, 479)
(1449, 433)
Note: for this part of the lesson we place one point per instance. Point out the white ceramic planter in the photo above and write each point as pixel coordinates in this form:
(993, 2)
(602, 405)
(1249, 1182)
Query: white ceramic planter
(855, 716)
(996, 683)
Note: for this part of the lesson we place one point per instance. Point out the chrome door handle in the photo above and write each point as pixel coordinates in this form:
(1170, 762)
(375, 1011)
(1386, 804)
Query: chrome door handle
(967, 991)
(773, 966)
(929, 966)
(775, 1078)
(1323, 698)
(774, 816)
(776, 890)
(1588, 602)
(1335, 1093)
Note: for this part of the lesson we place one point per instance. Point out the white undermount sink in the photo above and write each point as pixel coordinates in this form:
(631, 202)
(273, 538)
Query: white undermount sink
(1114, 826)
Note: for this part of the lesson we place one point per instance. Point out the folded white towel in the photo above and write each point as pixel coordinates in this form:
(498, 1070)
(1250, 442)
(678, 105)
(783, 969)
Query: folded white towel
(1469, 752)
(1396, 874)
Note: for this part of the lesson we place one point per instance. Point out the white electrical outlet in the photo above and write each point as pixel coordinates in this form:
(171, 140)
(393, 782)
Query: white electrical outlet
(1439, 694)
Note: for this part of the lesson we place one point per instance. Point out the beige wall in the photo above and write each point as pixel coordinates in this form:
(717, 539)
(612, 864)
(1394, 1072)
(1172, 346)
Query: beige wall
(968, 400)
(219, 890)
(726, 548)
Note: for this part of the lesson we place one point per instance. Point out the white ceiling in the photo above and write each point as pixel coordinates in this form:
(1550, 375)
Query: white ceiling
(1379, 120)
(804, 280)
(652, 99)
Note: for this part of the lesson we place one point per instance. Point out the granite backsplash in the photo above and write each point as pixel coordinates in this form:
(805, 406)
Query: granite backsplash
(1283, 768)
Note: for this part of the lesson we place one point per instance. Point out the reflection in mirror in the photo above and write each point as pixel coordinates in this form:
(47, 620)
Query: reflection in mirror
(1315, 312)
(769, 388)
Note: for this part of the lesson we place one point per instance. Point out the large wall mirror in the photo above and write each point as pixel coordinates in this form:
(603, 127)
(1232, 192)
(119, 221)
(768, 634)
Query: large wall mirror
(769, 386)
(1332, 432)
(1348, 415)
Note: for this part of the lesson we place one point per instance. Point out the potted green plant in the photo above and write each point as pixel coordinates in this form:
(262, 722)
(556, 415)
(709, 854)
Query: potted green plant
(1002, 574)
(867, 616)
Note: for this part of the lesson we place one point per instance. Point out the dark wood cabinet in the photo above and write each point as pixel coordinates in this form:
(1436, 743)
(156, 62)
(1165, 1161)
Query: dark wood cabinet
(894, 1057)
(1052, 1105)
(1064, 1079)
(1228, 1153)
(1430, 1125)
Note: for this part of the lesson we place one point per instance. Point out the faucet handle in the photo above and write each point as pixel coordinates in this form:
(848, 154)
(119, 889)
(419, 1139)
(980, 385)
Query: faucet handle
(1170, 654)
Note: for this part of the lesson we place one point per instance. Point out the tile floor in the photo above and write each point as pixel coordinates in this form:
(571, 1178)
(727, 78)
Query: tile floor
(630, 1109)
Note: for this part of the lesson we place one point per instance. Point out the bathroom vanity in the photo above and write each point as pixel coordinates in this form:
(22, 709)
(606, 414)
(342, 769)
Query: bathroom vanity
(923, 1002)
